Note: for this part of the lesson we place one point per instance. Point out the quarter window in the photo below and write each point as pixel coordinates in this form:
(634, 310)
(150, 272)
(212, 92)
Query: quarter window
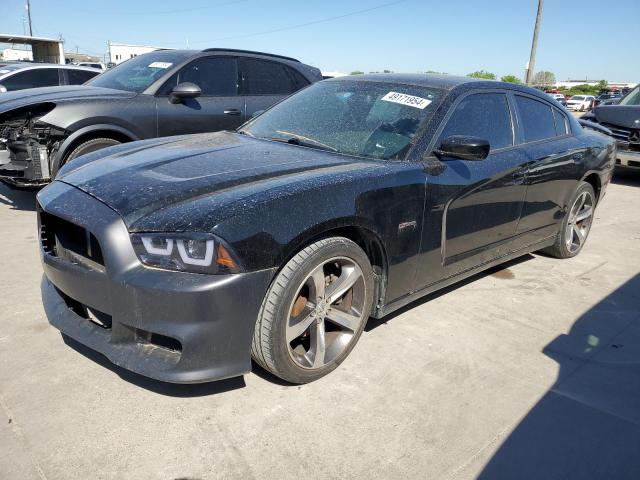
(262, 77)
(561, 123)
(537, 119)
(484, 115)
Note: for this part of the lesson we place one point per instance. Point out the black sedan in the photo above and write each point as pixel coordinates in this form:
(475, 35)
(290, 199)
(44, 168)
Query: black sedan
(181, 258)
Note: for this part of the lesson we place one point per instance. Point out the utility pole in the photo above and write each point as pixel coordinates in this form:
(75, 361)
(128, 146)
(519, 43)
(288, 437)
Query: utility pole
(534, 45)
(29, 15)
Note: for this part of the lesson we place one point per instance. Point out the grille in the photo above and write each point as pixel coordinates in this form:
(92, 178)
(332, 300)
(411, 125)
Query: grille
(619, 133)
(61, 238)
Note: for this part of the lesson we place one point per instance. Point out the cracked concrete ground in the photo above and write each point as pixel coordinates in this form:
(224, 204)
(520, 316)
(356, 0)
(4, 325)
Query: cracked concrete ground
(531, 371)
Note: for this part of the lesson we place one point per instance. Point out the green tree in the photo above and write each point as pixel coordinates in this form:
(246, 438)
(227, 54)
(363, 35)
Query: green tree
(357, 72)
(482, 74)
(544, 78)
(436, 72)
(510, 79)
(602, 85)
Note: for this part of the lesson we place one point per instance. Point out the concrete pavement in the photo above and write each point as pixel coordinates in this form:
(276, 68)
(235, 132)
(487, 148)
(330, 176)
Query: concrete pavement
(530, 371)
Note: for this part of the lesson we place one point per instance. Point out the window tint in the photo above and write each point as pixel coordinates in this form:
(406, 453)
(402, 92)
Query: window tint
(484, 115)
(214, 76)
(261, 77)
(537, 119)
(78, 77)
(38, 77)
(561, 123)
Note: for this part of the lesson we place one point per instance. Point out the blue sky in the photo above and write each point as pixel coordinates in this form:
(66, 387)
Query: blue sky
(454, 36)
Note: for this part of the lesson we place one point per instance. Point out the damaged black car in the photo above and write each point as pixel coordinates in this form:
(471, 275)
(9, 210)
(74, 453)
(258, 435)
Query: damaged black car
(182, 258)
(623, 124)
(161, 93)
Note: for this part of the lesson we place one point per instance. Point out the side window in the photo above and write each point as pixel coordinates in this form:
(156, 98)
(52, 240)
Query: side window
(78, 77)
(262, 77)
(561, 123)
(217, 76)
(484, 115)
(537, 119)
(38, 77)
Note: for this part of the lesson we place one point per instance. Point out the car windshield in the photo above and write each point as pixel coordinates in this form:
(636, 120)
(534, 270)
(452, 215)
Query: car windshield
(632, 98)
(363, 118)
(138, 73)
(577, 97)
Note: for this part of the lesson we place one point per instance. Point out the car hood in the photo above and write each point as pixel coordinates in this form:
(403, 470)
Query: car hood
(32, 96)
(159, 178)
(620, 115)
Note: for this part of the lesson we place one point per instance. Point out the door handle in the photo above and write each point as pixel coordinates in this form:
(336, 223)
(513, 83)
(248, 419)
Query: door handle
(233, 111)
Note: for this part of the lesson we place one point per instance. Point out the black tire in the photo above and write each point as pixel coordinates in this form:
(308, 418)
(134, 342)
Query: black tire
(270, 348)
(91, 146)
(562, 248)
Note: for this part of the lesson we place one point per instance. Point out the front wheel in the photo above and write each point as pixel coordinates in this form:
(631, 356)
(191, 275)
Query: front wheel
(315, 310)
(576, 225)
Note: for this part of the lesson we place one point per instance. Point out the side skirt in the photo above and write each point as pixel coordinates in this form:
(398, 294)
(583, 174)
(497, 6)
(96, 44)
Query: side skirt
(401, 302)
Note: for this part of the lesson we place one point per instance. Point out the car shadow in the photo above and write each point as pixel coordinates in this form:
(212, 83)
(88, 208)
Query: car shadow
(629, 178)
(156, 386)
(18, 198)
(502, 271)
(588, 424)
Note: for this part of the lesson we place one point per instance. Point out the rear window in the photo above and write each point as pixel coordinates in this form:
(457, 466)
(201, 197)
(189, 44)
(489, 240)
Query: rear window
(78, 77)
(536, 118)
(262, 77)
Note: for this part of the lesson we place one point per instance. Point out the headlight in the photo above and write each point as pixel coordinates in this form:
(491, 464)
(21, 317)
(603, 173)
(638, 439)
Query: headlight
(192, 252)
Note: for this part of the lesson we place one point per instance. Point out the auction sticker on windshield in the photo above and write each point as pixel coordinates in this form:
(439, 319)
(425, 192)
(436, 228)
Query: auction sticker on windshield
(160, 65)
(408, 100)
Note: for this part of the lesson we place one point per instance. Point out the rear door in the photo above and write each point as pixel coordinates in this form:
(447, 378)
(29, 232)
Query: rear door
(555, 162)
(219, 107)
(265, 82)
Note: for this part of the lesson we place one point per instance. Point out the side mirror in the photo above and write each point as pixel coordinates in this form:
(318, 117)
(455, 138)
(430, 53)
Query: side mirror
(184, 90)
(463, 147)
(3, 89)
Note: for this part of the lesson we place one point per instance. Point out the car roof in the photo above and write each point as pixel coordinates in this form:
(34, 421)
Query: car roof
(441, 81)
(14, 67)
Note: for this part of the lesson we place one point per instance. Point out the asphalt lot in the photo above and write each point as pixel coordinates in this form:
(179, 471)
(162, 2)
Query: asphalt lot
(529, 371)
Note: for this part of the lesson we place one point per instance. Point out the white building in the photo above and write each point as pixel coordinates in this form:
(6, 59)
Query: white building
(119, 52)
(17, 54)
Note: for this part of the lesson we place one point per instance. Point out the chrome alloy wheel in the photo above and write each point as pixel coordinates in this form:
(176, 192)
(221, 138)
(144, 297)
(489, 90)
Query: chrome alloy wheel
(326, 313)
(579, 222)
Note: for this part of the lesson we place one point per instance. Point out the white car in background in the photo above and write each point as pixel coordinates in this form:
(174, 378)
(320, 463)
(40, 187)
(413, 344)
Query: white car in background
(581, 102)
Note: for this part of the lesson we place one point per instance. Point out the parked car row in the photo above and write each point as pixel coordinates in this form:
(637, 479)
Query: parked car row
(622, 122)
(183, 257)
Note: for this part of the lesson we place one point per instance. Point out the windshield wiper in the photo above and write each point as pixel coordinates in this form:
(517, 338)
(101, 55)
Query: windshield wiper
(303, 141)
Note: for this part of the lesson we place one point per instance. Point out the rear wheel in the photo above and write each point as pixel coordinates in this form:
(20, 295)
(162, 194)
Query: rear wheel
(576, 224)
(315, 310)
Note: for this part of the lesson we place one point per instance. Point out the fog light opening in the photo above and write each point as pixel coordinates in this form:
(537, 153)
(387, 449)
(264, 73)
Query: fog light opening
(157, 340)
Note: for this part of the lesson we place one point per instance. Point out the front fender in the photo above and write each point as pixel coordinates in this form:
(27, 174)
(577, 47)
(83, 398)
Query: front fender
(64, 147)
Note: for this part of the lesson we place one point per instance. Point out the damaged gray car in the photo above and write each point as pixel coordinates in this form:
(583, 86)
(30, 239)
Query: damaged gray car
(162, 93)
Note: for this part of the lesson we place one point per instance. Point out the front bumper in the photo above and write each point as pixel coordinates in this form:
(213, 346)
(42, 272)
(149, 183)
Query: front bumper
(627, 158)
(24, 163)
(170, 326)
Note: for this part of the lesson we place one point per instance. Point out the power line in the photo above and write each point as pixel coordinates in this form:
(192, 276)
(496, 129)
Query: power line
(306, 24)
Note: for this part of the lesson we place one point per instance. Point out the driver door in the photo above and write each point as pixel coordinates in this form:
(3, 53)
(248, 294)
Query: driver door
(473, 207)
(219, 107)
